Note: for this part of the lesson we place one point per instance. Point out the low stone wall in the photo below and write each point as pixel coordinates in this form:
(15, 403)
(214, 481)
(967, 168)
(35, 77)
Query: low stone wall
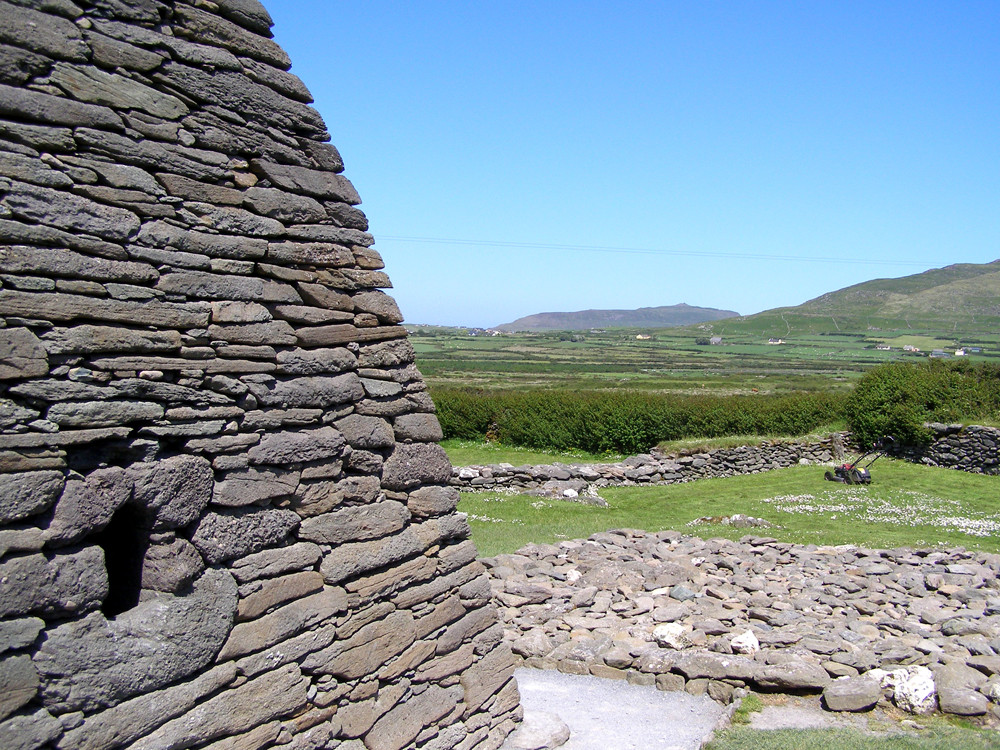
(916, 628)
(975, 449)
(649, 468)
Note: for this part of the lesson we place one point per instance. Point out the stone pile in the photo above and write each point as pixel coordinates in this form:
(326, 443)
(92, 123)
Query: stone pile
(572, 480)
(224, 518)
(917, 627)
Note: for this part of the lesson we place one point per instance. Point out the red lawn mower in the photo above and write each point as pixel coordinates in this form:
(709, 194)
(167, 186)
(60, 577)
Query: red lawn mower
(852, 473)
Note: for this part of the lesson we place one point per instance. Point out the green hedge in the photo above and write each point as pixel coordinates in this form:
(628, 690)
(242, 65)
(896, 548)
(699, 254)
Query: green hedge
(897, 398)
(623, 422)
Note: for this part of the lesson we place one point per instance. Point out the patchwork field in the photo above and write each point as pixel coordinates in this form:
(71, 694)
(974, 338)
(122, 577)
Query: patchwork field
(674, 360)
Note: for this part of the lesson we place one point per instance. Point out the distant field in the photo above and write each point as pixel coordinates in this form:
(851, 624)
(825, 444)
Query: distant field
(906, 505)
(672, 360)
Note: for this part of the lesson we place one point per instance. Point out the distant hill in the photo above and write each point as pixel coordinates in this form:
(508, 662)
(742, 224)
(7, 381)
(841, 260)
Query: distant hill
(645, 317)
(960, 297)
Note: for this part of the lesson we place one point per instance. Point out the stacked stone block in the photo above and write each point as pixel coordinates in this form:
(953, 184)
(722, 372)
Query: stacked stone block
(224, 518)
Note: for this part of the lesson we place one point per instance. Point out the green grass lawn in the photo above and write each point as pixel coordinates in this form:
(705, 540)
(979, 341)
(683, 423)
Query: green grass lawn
(906, 505)
(934, 738)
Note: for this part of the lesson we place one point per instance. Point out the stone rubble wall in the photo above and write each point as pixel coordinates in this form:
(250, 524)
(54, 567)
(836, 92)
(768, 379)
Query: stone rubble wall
(225, 520)
(650, 468)
(973, 448)
(919, 629)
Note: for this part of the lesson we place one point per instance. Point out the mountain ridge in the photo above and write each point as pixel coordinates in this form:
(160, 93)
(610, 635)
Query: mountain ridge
(665, 316)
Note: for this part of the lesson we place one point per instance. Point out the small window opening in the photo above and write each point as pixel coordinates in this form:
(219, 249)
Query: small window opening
(124, 540)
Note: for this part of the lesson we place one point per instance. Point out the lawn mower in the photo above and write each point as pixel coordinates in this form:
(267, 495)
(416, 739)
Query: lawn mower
(852, 473)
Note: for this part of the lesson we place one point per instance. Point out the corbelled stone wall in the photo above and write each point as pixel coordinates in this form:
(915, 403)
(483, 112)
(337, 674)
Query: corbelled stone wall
(224, 518)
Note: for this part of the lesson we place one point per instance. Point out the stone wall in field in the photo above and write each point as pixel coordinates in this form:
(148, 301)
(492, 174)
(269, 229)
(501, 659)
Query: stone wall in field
(571, 480)
(973, 448)
(225, 520)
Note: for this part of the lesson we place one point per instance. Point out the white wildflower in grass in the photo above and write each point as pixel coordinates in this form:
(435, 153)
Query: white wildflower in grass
(895, 507)
(490, 519)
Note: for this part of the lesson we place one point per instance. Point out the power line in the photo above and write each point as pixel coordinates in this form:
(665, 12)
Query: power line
(647, 251)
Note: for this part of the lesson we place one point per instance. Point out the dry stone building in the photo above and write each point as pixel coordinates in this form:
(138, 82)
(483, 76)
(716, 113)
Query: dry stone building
(225, 521)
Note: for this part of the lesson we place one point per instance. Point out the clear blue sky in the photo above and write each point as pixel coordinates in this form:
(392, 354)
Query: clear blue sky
(523, 157)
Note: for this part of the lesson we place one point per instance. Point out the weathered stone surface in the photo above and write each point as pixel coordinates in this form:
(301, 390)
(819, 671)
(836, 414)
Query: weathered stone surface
(128, 721)
(296, 447)
(252, 487)
(43, 33)
(414, 464)
(283, 623)
(284, 206)
(401, 725)
(92, 663)
(379, 304)
(64, 307)
(367, 649)
(423, 428)
(87, 339)
(70, 212)
(432, 501)
(171, 567)
(173, 491)
(352, 559)
(99, 87)
(87, 505)
(852, 694)
(316, 361)
(356, 523)
(29, 731)
(103, 414)
(278, 591)
(19, 633)
(323, 185)
(369, 433)
(231, 712)
(25, 494)
(310, 391)
(273, 562)
(227, 534)
(22, 355)
(18, 683)
(316, 499)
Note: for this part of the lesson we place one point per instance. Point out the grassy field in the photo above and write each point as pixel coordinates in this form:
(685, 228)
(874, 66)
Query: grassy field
(671, 360)
(907, 505)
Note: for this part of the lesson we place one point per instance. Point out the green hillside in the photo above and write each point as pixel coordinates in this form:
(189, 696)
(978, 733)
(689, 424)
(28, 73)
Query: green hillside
(959, 299)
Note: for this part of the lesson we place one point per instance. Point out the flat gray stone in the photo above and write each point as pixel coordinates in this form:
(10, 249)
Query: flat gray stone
(29, 731)
(26, 494)
(18, 683)
(232, 533)
(93, 663)
(852, 694)
(87, 505)
(173, 491)
(310, 391)
(137, 717)
(297, 446)
(370, 433)
(414, 464)
(59, 584)
(231, 712)
(356, 523)
(22, 355)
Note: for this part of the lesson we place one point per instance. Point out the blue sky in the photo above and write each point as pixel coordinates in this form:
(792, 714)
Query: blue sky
(518, 157)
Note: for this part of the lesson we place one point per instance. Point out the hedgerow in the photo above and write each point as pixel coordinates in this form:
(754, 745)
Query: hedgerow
(623, 422)
(898, 398)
